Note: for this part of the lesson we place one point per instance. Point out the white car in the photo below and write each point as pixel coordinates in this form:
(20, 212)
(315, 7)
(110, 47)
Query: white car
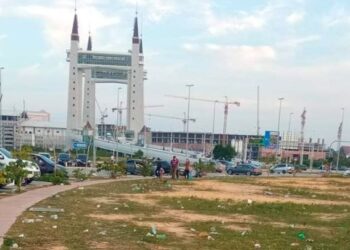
(346, 173)
(32, 168)
(282, 168)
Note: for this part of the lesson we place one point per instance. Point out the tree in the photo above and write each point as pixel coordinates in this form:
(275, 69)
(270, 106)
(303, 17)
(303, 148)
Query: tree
(226, 152)
(16, 171)
(23, 154)
(138, 154)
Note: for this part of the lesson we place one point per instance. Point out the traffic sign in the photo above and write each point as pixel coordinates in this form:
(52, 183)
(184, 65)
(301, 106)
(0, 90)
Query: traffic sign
(79, 145)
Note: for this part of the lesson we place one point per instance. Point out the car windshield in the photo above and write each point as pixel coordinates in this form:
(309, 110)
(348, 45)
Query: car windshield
(6, 153)
(47, 160)
(82, 157)
(45, 154)
(63, 156)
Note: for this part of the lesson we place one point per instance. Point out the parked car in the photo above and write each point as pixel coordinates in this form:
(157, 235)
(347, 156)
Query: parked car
(46, 154)
(32, 168)
(133, 166)
(300, 167)
(346, 173)
(46, 165)
(246, 169)
(82, 161)
(63, 159)
(165, 165)
(227, 164)
(282, 168)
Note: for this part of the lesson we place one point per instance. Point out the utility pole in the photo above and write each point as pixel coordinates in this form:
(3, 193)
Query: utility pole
(303, 119)
(1, 123)
(213, 129)
(189, 86)
(340, 131)
(258, 112)
(278, 126)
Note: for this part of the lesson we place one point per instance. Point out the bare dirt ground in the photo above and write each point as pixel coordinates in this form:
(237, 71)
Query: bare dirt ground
(225, 191)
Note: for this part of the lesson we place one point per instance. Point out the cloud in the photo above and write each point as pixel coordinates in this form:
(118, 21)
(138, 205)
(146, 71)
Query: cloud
(294, 42)
(295, 17)
(3, 36)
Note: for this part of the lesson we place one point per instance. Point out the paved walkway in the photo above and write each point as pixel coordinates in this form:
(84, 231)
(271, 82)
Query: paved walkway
(13, 206)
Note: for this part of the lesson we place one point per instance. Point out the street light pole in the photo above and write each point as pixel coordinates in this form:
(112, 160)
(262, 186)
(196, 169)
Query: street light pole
(278, 125)
(189, 86)
(289, 132)
(117, 129)
(213, 129)
(1, 128)
(340, 137)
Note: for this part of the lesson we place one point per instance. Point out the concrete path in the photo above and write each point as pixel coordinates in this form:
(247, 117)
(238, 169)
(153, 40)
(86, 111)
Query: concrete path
(13, 206)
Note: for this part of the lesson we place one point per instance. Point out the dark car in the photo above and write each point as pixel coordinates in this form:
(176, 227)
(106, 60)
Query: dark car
(133, 166)
(245, 169)
(46, 165)
(82, 161)
(165, 165)
(63, 159)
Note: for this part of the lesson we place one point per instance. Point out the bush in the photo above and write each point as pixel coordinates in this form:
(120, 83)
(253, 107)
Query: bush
(3, 179)
(57, 178)
(16, 171)
(115, 169)
(80, 175)
(146, 168)
(202, 167)
(138, 154)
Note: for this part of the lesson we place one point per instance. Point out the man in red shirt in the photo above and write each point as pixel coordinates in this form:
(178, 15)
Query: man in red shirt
(174, 163)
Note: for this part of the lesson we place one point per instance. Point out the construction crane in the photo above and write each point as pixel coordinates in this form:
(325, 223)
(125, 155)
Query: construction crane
(226, 104)
(103, 116)
(184, 120)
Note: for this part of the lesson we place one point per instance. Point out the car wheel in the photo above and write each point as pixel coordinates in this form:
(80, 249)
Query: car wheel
(283, 171)
(248, 173)
(230, 172)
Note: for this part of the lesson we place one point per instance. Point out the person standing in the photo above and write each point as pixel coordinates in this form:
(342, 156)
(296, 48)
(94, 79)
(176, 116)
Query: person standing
(174, 163)
(187, 169)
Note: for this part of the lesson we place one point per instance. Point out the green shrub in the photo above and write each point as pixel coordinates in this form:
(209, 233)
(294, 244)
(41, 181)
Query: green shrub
(115, 169)
(56, 178)
(3, 179)
(80, 175)
(203, 167)
(146, 167)
(16, 171)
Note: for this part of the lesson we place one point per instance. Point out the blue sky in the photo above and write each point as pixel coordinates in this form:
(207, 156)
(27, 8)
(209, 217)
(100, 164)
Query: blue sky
(296, 49)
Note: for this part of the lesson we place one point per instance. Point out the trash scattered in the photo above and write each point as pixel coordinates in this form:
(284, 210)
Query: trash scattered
(210, 238)
(243, 233)
(249, 201)
(161, 236)
(283, 233)
(124, 225)
(314, 196)
(48, 209)
(54, 216)
(310, 240)
(308, 247)
(294, 244)
(182, 207)
(38, 220)
(135, 230)
(28, 221)
(213, 230)
(14, 245)
(81, 188)
(21, 235)
(345, 210)
(125, 205)
(116, 208)
(193, 230)
(292, 226)
(301, 236)
(257, 245)
(86, 230)
(102, 233)
(54, 227)
(57, 196)
(268, 193)
(149, 234)
(40, 216)
(286, 196)
(154, 229)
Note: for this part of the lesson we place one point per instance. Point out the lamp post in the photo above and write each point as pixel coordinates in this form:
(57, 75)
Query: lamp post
(1, 128)
(213, 129)
(289, 132)
(189, 86)
(340, 137)
(117, 128)
(278, 125)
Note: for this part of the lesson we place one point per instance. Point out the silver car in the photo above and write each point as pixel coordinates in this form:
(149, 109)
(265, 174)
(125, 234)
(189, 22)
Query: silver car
(282, 168)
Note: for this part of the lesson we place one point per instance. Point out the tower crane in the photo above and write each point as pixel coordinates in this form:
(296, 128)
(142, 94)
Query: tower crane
(184, 120)
(103, 116)
(226, 105)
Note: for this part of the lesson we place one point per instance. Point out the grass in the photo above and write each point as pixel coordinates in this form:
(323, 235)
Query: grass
(273, 225)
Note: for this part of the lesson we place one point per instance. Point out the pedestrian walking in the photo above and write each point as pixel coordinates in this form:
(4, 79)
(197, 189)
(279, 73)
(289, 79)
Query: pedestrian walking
(174, 163)
(187, 169)
(159, 170)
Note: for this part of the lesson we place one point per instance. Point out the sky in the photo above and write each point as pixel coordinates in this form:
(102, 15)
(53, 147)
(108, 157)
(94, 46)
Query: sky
(295, 49)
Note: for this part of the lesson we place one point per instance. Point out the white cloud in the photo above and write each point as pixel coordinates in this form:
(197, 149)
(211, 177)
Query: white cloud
(190, 46)
(294, 42)
(295, 17)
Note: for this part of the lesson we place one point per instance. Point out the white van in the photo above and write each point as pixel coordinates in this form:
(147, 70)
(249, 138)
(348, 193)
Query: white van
(32, 168)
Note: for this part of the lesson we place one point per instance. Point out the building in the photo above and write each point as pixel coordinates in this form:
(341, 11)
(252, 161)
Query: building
(41, 134)
(9, 131)
(88, 67)
(41, 115)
